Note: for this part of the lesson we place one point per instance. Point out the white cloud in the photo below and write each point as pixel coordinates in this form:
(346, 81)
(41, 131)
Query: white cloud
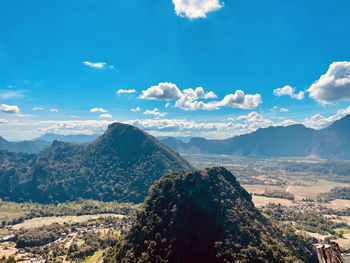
(12, 109)
(155, 112)
(38, 108)
(225, 129)
(162, 91)
(289, 91)
(71, 126)
(241, 100)
(99, 65)
(53, 110)
(167, 105)
(284, 110)
(136, 109)
(125, 91)
(106, 116)
(334, 85)
(2, 121)
(98, 110)
(11, 94)
(188, 99)
(196, 8)
(210, 95)
(219, 129)
(318, 121)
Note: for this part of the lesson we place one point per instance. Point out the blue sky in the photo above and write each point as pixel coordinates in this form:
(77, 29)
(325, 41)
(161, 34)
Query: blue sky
(256, 63)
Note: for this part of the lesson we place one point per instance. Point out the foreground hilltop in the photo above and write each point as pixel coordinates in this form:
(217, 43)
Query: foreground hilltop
(120, 165)
(205, 216)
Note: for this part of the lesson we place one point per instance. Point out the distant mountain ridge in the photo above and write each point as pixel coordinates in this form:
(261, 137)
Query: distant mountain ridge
(296, 140)
(23, 146)
(120, 165)
(40, 143)
(75, 138)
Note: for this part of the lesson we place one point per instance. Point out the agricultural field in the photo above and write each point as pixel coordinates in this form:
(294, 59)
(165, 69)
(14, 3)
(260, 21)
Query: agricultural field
(95, 258)
(288, 190)
(47, 232)
(42, 221)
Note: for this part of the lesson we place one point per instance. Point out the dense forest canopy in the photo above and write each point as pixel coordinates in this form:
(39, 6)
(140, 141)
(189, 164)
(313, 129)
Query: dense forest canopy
(205, 216)
(120, 165)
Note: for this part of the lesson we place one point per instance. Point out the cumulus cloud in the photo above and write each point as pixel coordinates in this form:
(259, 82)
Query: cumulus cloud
(72, 126)
(53, 110)
(188, 99)
(125, 91)
(210, 95)
(105, 116)
(318, 121)
(38, 108)
(289, 91)
(11, 109)
(224, 129)
(255, 121)
(136, 109)
(334, 85)
(284, 110)
(162, 91)
(155, 112)
(196, 8)
(241, 100)
(98, 110)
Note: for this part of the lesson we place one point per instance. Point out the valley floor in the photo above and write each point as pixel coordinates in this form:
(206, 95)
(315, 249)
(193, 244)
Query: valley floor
(297, 193)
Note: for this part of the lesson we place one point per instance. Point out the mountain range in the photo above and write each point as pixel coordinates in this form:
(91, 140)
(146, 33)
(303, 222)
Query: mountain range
(75, 138)
(23, 146)
(297, 140)
(206, 216)
(120, 165)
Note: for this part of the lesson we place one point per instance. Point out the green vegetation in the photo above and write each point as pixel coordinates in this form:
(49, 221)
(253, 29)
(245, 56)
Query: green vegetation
(94, 258)
(278, 194)
(120, 165)
(12, 213)
(11, 259)
(40, 236)
(336, 193)
(310, 221)
(206, 216)
(342, 230)
(75, 241)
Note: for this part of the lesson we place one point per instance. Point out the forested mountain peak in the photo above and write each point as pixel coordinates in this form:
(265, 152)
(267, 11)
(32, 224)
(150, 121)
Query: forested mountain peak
(205, 216)
(120, 165)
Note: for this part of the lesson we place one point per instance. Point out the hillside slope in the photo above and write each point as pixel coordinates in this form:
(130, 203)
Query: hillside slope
(205, 216)
(120, 165)
(333, 142)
